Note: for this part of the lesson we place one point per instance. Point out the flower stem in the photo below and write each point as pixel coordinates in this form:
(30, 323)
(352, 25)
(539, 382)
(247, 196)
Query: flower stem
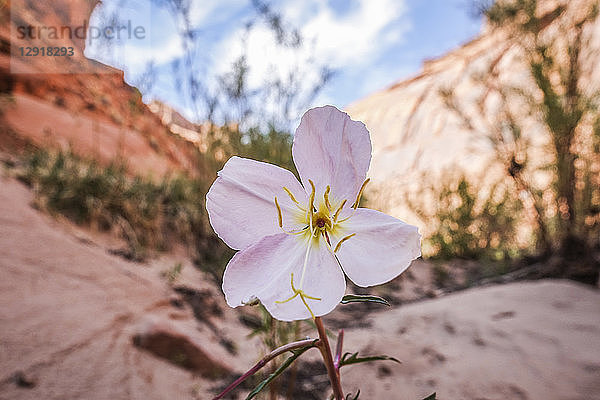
(323, 345)
(278, 351)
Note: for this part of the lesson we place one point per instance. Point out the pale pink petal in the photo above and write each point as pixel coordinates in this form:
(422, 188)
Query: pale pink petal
(254, 269)
(241, 201)
(331, 149)
(382, 248)
(264, 270)
(323, 279)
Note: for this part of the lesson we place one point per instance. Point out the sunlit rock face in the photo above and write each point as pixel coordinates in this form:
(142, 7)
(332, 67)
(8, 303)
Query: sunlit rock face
(414, 130)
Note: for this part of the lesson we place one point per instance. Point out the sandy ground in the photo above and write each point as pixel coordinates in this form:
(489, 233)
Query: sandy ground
(69, 310)
(527, 340)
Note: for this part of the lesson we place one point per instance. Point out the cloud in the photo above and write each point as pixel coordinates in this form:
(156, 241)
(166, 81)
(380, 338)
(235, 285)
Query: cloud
(354, 37)
(359, 35)
(133, 55)
(349, 40)
(158, 40)
(169, 50)
(201, 11)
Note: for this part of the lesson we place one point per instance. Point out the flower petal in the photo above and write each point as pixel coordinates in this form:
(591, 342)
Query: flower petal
(381, 249)
(264, 270)
(331, 149)
(323, 279)
(254, 269)
(241, 205)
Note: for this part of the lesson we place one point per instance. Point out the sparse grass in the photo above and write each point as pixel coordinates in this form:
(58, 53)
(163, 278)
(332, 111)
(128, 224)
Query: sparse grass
(173, 273)
(148, 215)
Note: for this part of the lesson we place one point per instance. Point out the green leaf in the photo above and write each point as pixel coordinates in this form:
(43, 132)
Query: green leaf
(430, 397)
(367, 298)
(349, 359)
(279, 371)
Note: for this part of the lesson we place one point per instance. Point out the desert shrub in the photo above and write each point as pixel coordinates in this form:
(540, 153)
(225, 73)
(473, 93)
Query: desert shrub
(555, 166)
(464, 221)
(147, 214)
(274, 146)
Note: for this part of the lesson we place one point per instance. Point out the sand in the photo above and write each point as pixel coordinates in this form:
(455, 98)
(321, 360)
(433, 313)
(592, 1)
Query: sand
(525, 340)
(69, 311)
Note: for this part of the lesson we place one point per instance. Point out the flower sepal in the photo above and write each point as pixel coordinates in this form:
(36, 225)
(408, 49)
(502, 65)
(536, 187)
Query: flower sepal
(364, 298)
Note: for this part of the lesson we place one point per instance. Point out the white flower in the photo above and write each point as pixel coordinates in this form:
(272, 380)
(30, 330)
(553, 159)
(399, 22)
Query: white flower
(293, 237)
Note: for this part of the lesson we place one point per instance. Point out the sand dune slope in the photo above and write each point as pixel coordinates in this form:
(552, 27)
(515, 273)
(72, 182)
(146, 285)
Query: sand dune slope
(69, 311)
(528, 340)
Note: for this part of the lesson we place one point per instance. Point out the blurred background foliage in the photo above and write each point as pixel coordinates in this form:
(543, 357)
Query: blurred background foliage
(478, 219)
(464, 223)
(146, 213)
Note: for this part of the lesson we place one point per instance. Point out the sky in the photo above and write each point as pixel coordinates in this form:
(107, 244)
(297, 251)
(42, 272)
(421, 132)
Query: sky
(370, 44)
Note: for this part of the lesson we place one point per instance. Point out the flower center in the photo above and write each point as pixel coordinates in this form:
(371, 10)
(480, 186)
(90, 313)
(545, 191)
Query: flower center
(320, 220)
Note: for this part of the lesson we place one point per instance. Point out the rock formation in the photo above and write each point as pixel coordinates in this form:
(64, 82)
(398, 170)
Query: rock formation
(415, 131)
(77, 103)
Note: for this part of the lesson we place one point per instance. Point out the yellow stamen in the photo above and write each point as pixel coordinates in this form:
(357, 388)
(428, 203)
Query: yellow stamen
(329, 248)
(292, 297)
(326, 197)
(312, 315)
(279, 216)
(293, 290)
(360, 192)
(356, 203)
(311, 204)
(280, 221)
(301, 231)
(337, 212)
(303, 297)
(311, 199)
(289, 193)
(337, 247)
